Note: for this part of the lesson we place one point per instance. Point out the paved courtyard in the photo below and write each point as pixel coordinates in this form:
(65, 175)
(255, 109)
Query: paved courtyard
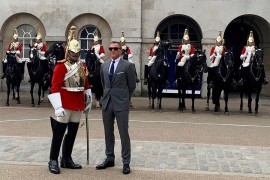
(204, 144)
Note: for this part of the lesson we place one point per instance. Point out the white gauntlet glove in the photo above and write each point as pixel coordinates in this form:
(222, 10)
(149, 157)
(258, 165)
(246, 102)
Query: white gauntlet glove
(56, 102)
(88, 99)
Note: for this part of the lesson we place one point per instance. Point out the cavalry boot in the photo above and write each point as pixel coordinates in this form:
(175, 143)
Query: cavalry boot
(137, 79)
(58, 133)
(265, 81)
(146, 72)
(66, 160)
(4, 71)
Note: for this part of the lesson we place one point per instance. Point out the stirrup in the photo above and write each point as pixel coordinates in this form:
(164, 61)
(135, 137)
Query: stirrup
(240, 82)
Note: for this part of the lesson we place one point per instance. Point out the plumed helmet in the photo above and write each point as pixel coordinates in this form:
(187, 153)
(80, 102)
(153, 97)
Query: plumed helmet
(39, 35)
(122, 38)
(219, 38)
(157, 37)
(73, 44)
(186, 37)
(250, 38)
(15, 35)
(96, 36)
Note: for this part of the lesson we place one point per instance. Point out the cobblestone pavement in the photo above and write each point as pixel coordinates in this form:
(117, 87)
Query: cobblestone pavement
(245, 153)
(222, 159)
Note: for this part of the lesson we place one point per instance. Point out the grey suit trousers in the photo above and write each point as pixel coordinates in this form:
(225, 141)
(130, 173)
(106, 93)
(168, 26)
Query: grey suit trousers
(109, 115)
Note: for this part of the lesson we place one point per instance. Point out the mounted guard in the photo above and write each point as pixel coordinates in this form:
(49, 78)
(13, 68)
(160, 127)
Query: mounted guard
(216, 53)
(15, 48)
(247, 52)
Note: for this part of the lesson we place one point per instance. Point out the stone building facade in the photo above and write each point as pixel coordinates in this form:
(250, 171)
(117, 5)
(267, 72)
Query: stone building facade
(140, 20)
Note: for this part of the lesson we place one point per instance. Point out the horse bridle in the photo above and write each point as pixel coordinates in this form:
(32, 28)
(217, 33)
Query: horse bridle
(258, 66)
(228, 70)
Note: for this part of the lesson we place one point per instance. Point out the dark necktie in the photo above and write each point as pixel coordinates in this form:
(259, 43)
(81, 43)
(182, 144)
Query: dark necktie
(111, 71)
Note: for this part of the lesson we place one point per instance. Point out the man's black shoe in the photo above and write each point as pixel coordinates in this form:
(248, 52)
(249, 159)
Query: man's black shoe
(3, 76)
(53, 167)
(126, 169)
(106, 163)
(68, 163)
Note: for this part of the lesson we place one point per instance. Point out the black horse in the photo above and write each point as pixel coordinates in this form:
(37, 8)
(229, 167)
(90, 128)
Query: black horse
(93, 66)
(55, 53)
(14, 76)
(224, 78)
(158, 74)
(189, 76)
(37, 69)
(253, 80)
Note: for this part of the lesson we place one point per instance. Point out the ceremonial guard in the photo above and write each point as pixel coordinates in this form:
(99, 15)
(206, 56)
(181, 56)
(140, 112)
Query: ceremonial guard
(245, 56)
(98, 48)
(16, 48)
(184, 52)
(41, 49)
(70, 89)
(216, 53)
(126, 53)
(152, 57)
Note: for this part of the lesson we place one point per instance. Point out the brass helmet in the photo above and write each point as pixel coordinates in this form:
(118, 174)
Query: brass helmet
(39, 36)
(73, 45)
(219, 38)
(186, 37)
(250, 38)
(96, 36)
(157, 37)
(122, 38)
(15, 35)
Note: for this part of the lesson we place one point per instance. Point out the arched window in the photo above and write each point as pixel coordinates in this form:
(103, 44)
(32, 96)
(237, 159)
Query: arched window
(27, 35)
(87, 39)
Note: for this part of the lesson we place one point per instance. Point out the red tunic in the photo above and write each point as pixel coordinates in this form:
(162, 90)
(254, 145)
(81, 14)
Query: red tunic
(192, 51)
(19, 48)
(70, 100)
(101, 49)
(43, 47)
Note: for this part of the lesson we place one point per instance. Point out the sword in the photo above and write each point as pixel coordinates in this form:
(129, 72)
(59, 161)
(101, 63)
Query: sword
(88, 108)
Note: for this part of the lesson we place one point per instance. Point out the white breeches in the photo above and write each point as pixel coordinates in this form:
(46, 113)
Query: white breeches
(70, 116)
(183, 60)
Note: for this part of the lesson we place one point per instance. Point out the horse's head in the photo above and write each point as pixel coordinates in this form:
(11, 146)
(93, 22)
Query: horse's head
(56, 50)
(33, 54)
(11, 59)
(258, 57)
(201, 60)
(228, 59)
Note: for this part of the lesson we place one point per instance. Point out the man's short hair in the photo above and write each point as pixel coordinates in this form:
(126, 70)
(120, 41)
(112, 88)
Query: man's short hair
(116, 42)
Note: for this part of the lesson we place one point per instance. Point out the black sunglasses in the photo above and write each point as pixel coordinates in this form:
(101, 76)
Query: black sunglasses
(113, 48)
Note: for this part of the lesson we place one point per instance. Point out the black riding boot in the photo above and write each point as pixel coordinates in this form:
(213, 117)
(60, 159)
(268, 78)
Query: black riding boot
(29, 65)
(137, 80)
(210, 78)
(58, 133)
(4, 70)
(66, 160)
(146, 73)
(241, 81)
(167, 70)
(177, 75)
(265, 81)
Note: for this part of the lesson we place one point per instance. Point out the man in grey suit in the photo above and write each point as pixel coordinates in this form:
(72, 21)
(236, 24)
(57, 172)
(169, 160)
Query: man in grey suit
(119, 81)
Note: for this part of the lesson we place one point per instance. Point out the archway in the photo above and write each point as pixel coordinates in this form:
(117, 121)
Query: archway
(173, 28)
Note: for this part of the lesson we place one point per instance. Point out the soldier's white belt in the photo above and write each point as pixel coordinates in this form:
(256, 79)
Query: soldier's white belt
(74, 89)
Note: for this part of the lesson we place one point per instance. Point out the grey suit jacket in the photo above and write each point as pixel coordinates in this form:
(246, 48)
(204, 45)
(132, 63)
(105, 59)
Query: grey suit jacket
(122, 86)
